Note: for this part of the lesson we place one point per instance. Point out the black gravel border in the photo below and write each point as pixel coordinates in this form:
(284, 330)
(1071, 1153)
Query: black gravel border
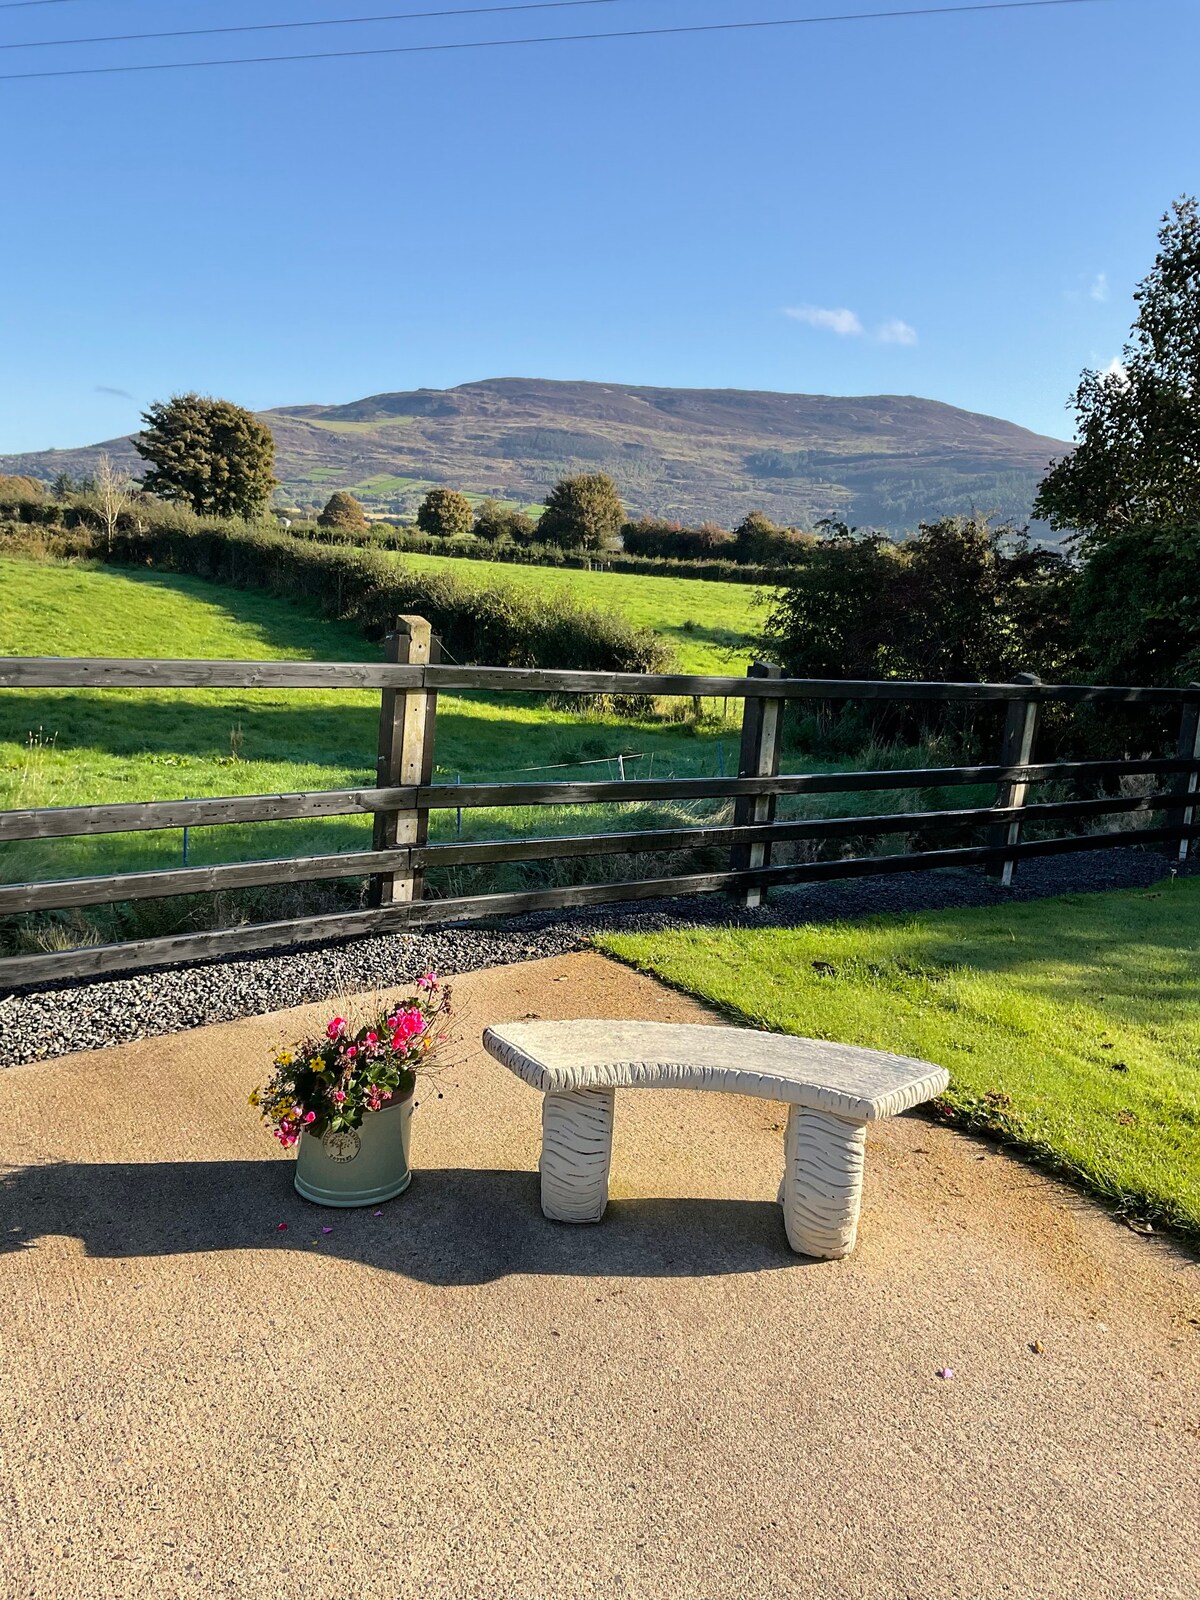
(39, 1024)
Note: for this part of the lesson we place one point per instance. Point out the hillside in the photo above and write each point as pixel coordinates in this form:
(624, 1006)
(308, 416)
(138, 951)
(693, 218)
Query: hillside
(690, 454)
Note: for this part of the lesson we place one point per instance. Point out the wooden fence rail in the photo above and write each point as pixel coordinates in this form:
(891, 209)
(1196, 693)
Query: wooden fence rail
(409, 681)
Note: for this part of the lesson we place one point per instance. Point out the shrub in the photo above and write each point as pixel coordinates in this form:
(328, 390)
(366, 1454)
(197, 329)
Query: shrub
(14, 489)
(342, 510)
(650, 536)
(494, 522)
(444, 514)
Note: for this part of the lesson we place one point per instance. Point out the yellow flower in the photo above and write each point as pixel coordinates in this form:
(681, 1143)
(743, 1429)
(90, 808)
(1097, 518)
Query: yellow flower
(254, 1099)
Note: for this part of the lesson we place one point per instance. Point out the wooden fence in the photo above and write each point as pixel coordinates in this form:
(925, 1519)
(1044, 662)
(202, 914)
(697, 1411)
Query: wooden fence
(410, 680)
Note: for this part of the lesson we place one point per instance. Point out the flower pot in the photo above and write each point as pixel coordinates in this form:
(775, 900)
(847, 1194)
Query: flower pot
(360, 1167)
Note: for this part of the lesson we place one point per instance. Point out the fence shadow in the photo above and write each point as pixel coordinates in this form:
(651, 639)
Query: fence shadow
(454, 1227)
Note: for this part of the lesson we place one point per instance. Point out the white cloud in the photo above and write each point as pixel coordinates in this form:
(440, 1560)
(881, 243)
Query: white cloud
(836, 321)
(1099, 289)
(895, 331)
(1116, 368)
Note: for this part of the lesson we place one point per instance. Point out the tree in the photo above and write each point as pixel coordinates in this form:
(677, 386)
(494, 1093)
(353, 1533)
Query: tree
(114, 492)
(1138, 458)
(960, 601)
(582, 513)
(494, 522)
(208, 454)
(445, 513)
(342, 510)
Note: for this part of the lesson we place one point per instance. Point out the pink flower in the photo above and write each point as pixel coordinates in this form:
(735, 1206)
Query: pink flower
(428, 980)
(351, 1052)
(406, 1025)
(371, 1038)
(310, 1116)
(336, 1028)
(338, 1097)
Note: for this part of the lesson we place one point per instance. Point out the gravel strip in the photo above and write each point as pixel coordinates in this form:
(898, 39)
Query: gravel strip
(39, 1024)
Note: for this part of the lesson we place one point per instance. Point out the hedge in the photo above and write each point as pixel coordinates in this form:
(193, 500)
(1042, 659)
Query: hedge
(385, 537)
(81, 513)
(495, 626)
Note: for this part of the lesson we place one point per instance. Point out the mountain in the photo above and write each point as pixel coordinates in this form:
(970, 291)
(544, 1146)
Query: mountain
(886, 461)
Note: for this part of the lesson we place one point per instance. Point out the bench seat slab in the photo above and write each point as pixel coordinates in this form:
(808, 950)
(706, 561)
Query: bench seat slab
(847, 1080)
(831, 1090)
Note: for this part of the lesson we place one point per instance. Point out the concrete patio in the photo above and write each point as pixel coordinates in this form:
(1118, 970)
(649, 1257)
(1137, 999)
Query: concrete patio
(458, 1399)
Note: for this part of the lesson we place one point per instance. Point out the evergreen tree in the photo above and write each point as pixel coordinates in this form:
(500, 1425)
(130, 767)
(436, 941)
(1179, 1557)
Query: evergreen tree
(208, 454)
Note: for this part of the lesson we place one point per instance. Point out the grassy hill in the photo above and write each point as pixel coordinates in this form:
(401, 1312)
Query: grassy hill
(690, 454)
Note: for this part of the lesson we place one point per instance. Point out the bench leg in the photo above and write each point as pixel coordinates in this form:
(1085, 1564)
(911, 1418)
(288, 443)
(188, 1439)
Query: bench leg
(822, 1182)
(576, 1151)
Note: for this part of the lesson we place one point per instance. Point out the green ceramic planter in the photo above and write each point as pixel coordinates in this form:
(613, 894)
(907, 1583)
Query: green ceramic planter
(359, 1168)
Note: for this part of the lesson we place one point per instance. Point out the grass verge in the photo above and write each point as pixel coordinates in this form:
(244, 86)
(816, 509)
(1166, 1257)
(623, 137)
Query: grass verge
(1070, 1027)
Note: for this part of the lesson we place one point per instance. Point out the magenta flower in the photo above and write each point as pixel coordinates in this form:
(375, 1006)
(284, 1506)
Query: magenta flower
(336, 1028)
(338, 1097)
(310, 1116)
(429, 980)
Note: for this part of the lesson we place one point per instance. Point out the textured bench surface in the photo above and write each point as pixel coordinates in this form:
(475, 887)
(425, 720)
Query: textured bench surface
(861, 1085)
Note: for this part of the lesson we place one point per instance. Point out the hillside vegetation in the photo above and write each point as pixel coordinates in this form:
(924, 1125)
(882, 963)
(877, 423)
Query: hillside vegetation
(880, 460)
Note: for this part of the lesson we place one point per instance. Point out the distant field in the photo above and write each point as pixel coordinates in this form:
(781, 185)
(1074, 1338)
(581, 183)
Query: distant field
(709, 624)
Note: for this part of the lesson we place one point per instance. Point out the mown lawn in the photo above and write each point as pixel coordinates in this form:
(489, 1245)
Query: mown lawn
(1071, 1027)
(709, 624)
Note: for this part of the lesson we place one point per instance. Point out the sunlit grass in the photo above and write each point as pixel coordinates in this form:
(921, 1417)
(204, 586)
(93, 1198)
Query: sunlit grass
(1071, 1027)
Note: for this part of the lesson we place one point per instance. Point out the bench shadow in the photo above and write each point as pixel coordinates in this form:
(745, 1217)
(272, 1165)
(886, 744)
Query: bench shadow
(455, 1226)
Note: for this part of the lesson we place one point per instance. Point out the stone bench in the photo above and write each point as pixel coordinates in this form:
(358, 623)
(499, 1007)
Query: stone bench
(831, 1091)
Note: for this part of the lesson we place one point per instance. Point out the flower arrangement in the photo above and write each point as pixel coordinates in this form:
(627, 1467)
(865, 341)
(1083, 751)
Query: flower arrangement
(330, 1083)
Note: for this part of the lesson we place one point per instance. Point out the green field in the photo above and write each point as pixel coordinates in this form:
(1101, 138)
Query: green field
(86, 747)
(708, 623)
(1070, 1027)
(76, 747)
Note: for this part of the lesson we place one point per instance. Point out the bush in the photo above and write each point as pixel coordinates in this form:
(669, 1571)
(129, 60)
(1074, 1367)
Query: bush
(757, 539)
(444, 514)
(342, 510)
(14, 489)
(650, 536)
(494, 523)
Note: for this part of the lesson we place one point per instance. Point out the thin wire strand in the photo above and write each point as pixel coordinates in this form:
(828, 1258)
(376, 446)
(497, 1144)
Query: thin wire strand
(322, 22)
(554, 38)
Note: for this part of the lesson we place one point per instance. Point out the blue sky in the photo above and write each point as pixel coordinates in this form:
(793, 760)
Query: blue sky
(956, 206)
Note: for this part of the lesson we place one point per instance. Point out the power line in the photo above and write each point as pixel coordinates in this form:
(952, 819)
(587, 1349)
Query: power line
(19, 5)
(552, 38)
(324, 22)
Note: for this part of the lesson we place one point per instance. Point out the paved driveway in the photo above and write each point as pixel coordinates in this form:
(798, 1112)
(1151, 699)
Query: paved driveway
(460, 1400)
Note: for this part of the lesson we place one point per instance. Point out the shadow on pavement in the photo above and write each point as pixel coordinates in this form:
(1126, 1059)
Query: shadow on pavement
(455, 1226)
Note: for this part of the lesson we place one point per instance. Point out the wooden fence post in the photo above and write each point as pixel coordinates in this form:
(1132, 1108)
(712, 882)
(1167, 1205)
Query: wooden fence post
(762, 729)
(406, 723)
(1188, 783)
(1016, 750)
